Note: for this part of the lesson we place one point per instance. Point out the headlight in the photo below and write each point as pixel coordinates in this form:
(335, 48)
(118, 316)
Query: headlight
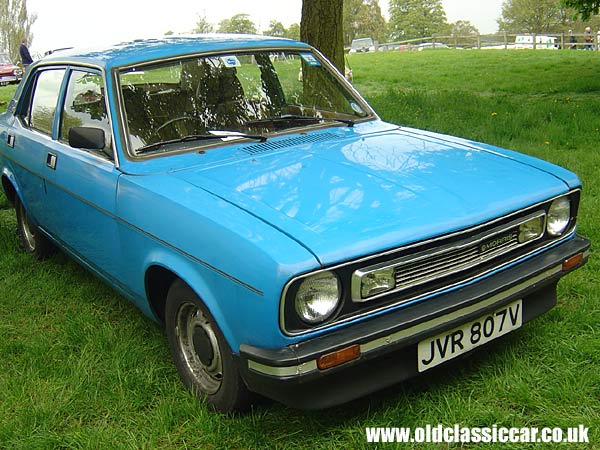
(559, 216)
(531, 230)
(318, 297)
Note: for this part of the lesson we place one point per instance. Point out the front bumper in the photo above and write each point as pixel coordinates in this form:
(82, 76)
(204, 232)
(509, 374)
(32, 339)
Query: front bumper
(388, 344)
(6, 79)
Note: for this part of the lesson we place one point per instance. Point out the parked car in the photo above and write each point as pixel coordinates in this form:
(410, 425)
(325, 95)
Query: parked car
(9, 72)
(363, 45)
(292, 243)
(541, 42)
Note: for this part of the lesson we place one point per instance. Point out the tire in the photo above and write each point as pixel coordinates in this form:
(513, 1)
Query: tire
(202, 356)
(32, 240)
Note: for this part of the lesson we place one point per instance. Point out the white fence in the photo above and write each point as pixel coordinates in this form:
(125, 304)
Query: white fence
(573, 41)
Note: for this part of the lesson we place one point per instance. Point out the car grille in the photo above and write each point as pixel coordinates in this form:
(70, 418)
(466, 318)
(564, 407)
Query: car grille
(450, 261)
(459, 259)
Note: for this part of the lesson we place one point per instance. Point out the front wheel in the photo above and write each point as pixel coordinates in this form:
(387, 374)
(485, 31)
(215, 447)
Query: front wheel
(32, 240)
(203, 359)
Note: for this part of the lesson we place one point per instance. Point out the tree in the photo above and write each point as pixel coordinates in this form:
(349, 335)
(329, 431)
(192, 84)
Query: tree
(321, 27)
(531, 16)
(203, 25)
(462, 28)
(276, 29)
(239, 23)
(15, 25)
(412, 19)
(293, 31)
(585, 8)
(363, 18)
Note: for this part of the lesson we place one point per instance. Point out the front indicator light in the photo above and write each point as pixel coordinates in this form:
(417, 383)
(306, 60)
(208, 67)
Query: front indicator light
(572, 262)
(336, 358)
(559, 216)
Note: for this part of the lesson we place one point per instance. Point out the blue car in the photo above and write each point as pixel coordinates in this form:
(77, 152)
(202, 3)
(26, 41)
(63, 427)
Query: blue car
(292, 244)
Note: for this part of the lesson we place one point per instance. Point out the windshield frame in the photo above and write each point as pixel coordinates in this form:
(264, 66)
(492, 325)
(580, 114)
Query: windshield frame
(132, 155)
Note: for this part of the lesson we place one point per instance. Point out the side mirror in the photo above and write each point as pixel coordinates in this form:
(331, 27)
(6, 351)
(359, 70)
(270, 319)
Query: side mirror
(88, 138)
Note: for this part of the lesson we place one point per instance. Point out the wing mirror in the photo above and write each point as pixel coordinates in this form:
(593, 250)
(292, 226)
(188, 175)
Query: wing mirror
(88, 138)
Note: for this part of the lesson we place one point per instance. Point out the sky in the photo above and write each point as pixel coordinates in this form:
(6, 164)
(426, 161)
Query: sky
(73, 23)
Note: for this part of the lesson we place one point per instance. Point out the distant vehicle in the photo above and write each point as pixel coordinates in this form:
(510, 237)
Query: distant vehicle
(363, 45)
(541, 42)
(431, 46)
(9, 72)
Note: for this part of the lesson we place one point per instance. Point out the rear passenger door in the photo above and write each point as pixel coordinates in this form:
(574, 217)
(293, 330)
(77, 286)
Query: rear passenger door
(31, 138)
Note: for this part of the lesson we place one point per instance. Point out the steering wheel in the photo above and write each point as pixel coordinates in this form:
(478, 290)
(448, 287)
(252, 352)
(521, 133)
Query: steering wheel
(174, 121)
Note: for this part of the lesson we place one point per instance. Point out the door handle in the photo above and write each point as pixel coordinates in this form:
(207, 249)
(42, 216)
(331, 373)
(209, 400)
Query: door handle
(51, 160)
(10, 140)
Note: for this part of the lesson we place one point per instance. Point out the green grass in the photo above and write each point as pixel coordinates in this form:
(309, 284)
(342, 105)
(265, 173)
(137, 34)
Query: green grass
(82, 368)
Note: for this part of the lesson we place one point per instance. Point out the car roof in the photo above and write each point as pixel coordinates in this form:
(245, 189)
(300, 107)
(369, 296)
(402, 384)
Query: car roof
(142, 50)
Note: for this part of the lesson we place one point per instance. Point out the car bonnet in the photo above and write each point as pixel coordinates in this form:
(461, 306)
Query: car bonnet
(350, 196)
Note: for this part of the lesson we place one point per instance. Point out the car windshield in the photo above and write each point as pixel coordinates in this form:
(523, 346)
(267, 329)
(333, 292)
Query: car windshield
(247, 94)
(4, 59)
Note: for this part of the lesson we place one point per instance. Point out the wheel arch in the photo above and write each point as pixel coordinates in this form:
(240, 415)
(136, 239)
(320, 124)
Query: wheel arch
(158, 279)
(8, 186)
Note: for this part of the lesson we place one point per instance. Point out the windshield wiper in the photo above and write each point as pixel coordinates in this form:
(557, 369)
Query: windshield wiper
(291, 118)
(215, 134)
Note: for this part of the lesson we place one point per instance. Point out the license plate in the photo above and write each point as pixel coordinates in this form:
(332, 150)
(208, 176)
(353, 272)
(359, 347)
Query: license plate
(450, 344)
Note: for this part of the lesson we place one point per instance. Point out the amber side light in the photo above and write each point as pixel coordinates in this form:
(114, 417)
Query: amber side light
(572, 262)
(338, 357)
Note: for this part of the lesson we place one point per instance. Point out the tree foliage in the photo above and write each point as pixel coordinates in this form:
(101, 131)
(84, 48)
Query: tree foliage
(203, 25)
(412, 19)
(321, 26)
(276, 29)
(532, 16)
(585, 8)
(239, 24)
(293, 31)
(363, 18)
(462, 28)
(15, 25)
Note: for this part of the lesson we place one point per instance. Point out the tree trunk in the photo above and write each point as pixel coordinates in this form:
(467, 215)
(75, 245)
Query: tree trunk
(321, 27)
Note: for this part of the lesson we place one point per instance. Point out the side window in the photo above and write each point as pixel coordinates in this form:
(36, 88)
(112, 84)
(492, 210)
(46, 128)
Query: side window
(85, 105)
(45, 97)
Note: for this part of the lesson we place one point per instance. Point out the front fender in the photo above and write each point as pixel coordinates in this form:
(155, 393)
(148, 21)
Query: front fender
(233, 305)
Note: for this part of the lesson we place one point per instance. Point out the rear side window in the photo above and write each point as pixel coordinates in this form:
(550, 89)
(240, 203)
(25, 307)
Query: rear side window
(45, 99)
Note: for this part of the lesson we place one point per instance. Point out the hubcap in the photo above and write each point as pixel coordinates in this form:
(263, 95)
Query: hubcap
(199, 347)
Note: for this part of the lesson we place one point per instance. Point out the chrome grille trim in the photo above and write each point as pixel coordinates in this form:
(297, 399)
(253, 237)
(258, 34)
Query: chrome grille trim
(430, 265)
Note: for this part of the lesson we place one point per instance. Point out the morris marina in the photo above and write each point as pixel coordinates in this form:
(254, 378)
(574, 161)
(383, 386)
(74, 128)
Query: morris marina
(292, 244)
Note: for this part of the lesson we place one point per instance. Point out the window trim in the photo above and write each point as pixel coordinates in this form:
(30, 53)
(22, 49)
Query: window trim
(23, 106)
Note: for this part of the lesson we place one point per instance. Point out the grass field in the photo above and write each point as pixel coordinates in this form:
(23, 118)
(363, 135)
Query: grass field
(82, 368)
